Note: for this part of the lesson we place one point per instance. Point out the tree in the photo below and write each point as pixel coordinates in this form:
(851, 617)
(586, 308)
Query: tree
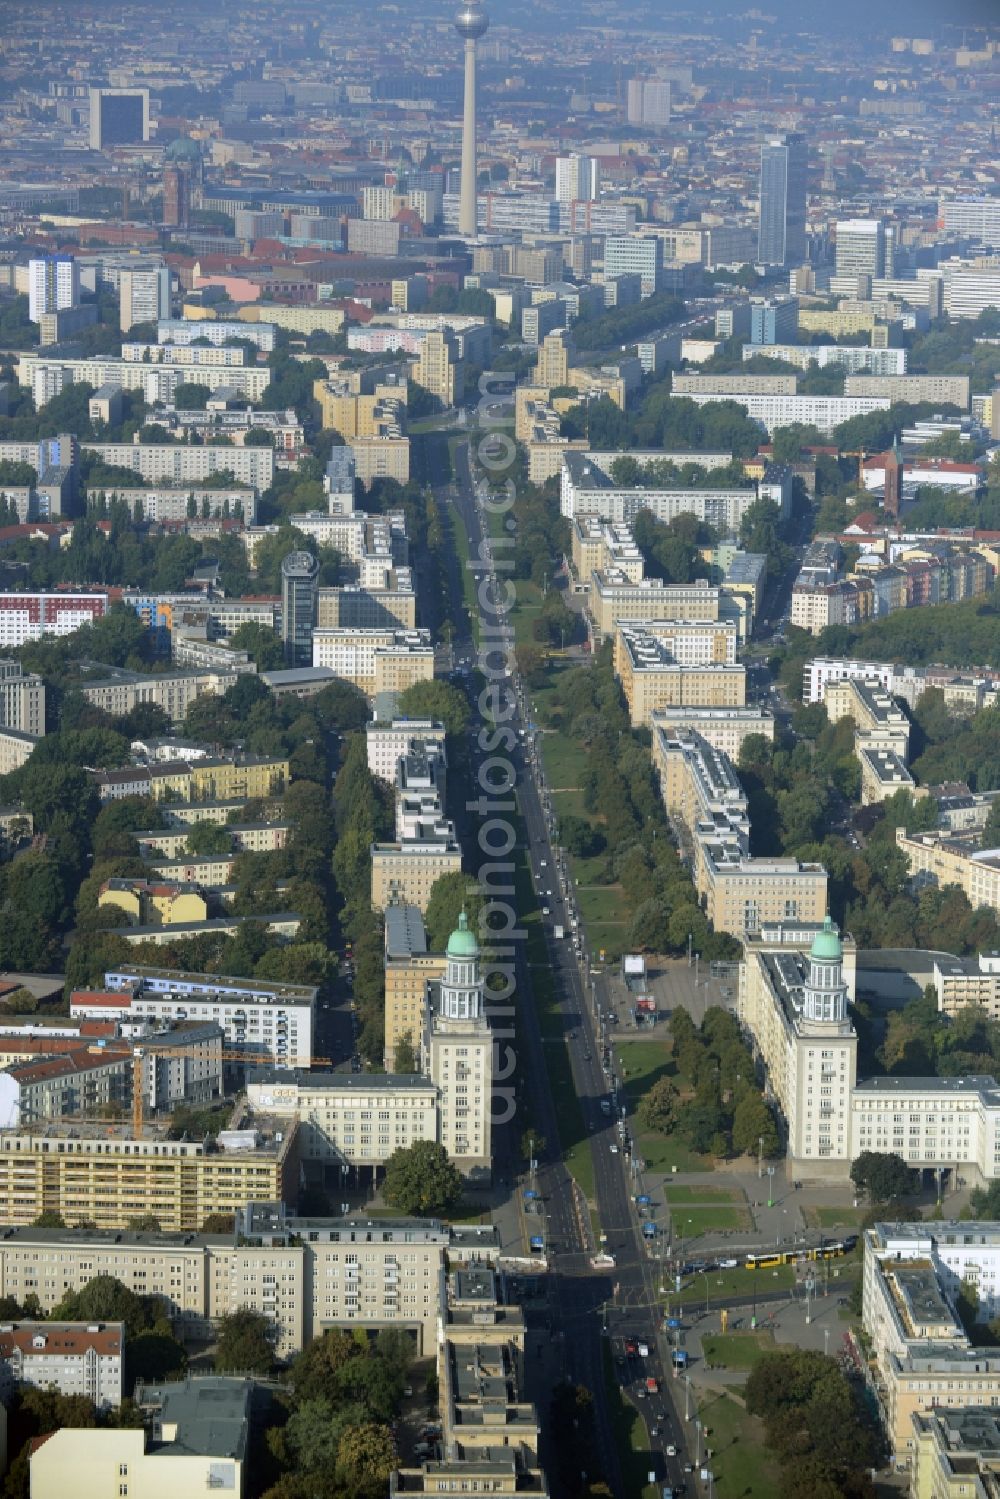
(50, 1218)
(450, 895)
(218, 1223)
(244, 1343)
(316, 1368)
(883, 1176)
(753, 1123)
(366, 1455)
(436, 700)
(422, 1180)
(406, 1057)
(206, 839)
(657, 1106)
(261, 644)
(153, 1356)
(104, 1299)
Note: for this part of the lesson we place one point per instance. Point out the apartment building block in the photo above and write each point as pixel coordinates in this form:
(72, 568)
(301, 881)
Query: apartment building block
(265, 1019)
(196, 1439)
(173, 691)
(376, 661)
(108, 1179)
(75, 1358)
(724, 728)
(687, 663)
(936, 860)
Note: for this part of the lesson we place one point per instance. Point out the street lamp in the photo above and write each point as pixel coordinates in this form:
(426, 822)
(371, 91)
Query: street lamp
(760, 1156)
(687, 1397)
(770, 1186)
(697, 1427)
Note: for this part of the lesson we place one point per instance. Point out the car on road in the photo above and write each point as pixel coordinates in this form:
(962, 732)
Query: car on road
(727, 1264)
(644, 1350)
(614, 1150)
(631, 1347)
(671, 1450)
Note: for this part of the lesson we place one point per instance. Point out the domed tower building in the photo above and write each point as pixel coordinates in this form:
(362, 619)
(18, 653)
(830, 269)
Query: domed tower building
(794, 1002)
(458, 1055)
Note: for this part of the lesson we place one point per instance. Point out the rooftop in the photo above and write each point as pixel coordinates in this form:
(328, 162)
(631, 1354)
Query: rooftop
(209, 1417)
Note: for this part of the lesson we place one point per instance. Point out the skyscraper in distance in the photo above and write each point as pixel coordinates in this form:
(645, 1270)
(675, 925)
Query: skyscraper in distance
(576, 179)
(471, 22)
(648, 102)
(781, 238)
(53, 285)
(299, 582)
(118, 117)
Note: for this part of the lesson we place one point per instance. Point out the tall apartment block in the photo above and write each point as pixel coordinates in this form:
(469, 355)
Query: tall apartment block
(145, 296)
(53, 285)
(649, 102)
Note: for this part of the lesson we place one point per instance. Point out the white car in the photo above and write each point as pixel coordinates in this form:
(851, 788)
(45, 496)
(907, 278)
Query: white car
(671, 1450)
(614, 1150)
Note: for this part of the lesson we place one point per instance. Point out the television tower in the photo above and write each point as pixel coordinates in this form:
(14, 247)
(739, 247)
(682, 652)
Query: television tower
(471, 22)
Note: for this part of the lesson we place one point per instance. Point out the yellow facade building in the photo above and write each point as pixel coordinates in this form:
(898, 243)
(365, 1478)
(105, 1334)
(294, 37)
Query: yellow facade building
(218, 780)
(437, 368)
(147, 904)
(404, 873)
(108, 1179)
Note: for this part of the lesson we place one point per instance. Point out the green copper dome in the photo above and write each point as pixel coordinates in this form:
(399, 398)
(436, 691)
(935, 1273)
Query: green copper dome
(462, 943)
(826, 944)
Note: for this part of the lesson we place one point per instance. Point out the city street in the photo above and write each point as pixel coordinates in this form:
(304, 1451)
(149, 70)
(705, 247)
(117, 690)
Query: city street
(580, 1297)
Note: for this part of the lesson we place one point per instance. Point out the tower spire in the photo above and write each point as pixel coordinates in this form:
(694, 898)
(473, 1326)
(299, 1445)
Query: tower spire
(471, 22)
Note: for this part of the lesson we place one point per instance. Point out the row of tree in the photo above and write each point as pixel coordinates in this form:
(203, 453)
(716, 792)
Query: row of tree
(625, 821)
(711, 1101)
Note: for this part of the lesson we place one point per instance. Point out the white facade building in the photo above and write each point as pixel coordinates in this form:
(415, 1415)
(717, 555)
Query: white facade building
(75, 1358)
(265, 1019)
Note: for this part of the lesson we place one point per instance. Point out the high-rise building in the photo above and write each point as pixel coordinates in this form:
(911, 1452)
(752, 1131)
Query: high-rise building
(864, 248)
(299, 583)
(649, 102)
(471, 23)
(781, 236)
(53, 285)
(145, 296)
(625, 254)
(176, 197)
(458, 1054)
(576, 179)
(118, 117)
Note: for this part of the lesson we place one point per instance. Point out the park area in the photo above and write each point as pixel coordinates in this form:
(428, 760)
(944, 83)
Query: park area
(643, 1063)
(740, 1463)
(696, 1210)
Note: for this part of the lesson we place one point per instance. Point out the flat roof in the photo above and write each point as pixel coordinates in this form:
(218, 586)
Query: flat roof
(211, 1416)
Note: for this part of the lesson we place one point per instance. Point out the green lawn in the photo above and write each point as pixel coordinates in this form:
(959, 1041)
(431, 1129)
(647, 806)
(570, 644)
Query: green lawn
(737, 1284)
(711, 1218)
(643, 1063)
(743, 1467)
(702, 1195)
(663, 1154)
(824, 1217)
(565, 762)
(460, 540)
(631, 1436)
(737, 1350)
